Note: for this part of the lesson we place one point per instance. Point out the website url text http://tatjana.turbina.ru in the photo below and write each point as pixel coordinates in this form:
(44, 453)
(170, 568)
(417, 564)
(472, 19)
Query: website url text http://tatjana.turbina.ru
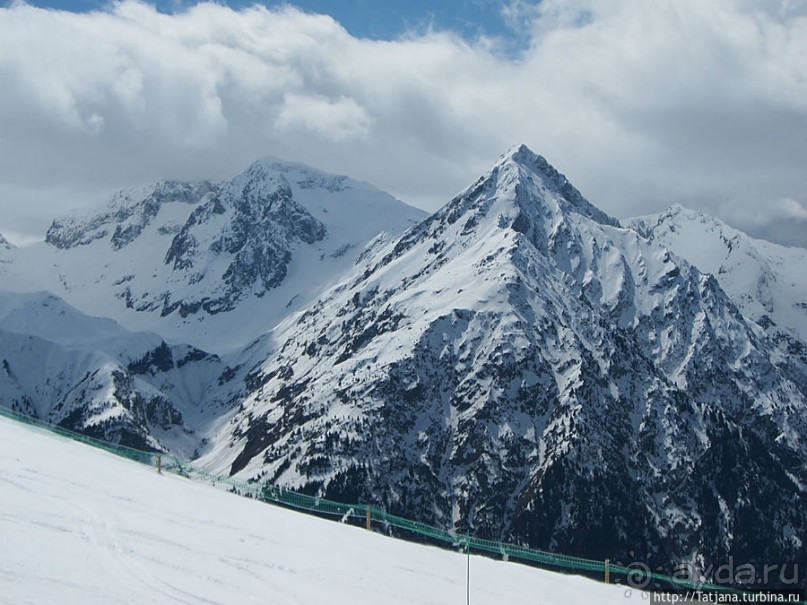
(681, 597)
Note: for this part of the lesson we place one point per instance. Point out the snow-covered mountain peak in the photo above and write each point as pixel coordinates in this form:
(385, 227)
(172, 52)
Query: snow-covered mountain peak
(126, 216)
(520, 165)
(765, 280)
(302, 176)
(171, 255)
(47, 316)
(514, 358)
(257, 184)
(522, 209)
(671, 219)
(521, 193)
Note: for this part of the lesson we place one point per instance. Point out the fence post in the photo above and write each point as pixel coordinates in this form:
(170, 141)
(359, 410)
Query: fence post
(468, 568)
(607, 571)
(369, 518)
(159, 464)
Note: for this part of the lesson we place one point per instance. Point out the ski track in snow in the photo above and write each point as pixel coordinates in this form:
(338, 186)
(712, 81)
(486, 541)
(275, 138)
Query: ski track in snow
(79, 525)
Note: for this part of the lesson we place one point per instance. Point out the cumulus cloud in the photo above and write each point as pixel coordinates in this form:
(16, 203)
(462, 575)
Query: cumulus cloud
(640, 104)
(336, 119)
(782, 220)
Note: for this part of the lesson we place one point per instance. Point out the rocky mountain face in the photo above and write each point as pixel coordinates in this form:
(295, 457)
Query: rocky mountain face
(128, 215)
(765, 280)
(91, 376)
(255, 223)
(520, 366)
(179, 258)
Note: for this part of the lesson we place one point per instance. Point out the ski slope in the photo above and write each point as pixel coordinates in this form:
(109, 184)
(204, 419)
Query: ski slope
(79, 525)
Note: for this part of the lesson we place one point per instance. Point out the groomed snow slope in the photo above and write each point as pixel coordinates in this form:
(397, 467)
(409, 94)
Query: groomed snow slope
(79, 525)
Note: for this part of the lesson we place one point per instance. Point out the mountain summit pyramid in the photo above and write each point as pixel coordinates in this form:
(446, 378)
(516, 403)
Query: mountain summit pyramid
(519, 366)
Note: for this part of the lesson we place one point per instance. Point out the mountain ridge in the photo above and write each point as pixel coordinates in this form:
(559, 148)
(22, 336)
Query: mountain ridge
(180, 257)
(517, 364)
(763, 278)
(89, 375)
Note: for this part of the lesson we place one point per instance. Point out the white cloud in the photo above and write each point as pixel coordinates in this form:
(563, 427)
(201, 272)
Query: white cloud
(641, 104)
(336, 119)
(792, 209)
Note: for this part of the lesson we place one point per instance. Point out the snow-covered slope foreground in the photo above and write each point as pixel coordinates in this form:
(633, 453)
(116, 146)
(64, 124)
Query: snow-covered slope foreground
(179, 258)
(81, 526)
(767, 281)
(520, 365)
(88, 374)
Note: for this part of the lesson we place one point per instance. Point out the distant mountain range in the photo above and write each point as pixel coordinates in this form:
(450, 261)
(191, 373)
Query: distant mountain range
(177, 257)
(518, 365)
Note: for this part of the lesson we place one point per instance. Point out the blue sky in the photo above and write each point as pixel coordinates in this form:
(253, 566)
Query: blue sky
(374, 19)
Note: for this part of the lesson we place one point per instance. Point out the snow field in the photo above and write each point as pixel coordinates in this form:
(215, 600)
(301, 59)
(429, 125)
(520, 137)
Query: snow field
(79, 525)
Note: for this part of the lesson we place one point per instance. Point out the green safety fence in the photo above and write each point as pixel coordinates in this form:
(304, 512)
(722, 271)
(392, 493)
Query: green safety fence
(636, 576)
(121, 450)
